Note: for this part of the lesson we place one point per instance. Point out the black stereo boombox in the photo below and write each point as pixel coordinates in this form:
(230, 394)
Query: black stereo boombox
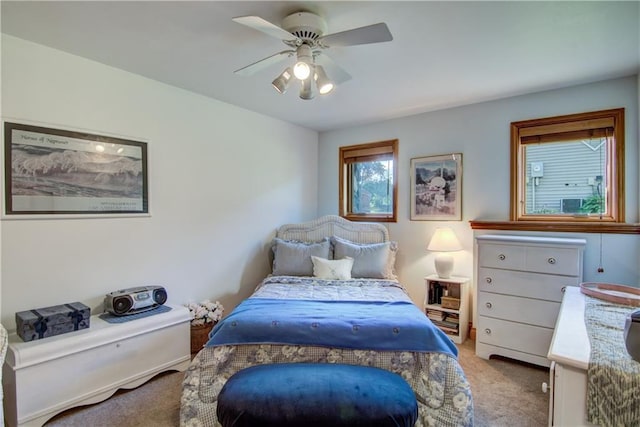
(134, 300)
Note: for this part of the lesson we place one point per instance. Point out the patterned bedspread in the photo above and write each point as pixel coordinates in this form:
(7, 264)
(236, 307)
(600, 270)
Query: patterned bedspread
(443, 393)
(613, 377)
(309, 288)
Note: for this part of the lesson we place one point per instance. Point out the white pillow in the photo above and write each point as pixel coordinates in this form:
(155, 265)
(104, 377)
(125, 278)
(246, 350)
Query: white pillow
(339, 269)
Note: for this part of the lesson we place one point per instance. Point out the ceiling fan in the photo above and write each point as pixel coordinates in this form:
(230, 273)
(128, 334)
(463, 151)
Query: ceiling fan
(305, 34)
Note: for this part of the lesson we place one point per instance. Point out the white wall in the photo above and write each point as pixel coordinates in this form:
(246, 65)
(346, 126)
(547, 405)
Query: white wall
(221, 179)
(481, 133)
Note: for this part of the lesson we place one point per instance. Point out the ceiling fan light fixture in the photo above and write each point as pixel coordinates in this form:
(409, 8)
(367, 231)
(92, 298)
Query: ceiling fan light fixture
(306, 89)
(302, 69)
(281, 83)
(305, 33)
(324, 84)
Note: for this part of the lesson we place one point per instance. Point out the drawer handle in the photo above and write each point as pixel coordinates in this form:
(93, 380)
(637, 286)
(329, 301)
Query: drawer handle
(489, 305)
(488, 280)
(551, 260)
(487, 331)
(502, 257)
(564, 289)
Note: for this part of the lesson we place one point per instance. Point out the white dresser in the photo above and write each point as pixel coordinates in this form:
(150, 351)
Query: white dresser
(521, 280)
(45, 377)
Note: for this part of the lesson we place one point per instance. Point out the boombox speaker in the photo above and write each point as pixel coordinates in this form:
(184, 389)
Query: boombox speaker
(134, 300)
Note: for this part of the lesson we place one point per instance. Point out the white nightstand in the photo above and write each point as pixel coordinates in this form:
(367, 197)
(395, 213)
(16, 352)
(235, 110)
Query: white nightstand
(452, 314)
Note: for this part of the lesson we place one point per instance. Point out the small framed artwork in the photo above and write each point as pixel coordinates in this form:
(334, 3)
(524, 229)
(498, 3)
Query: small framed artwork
(55, 172)
(436, 188)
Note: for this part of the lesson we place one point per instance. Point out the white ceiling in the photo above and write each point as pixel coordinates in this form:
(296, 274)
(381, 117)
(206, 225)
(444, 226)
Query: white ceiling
(444, 54)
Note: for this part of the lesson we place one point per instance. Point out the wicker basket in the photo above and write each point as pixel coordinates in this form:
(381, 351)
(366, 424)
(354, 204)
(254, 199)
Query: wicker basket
(450, 302)
(199, 336)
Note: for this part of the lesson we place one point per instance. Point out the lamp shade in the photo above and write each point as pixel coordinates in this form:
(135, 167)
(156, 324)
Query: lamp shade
(302, 68)
(444, 240)
(325, 85)
(306, 90)
(282, 81)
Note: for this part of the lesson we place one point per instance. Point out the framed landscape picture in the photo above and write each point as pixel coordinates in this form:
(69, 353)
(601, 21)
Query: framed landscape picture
(436, 188)
(60, 172)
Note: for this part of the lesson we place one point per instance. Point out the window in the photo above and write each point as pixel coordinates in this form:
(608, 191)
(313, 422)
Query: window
(568, 168)
(368, 181)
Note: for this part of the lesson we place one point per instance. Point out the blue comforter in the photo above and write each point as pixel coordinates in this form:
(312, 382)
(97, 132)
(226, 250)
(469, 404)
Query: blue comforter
(394, 326)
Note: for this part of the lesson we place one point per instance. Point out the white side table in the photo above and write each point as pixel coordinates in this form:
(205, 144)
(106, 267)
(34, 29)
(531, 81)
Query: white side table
(454, 321)
(45, 377)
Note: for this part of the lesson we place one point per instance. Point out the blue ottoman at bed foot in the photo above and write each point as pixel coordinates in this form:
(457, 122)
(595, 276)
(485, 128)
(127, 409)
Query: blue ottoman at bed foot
(314, 395)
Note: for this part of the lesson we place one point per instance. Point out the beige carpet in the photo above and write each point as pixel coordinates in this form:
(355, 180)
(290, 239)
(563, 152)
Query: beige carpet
(505, 393)
(155, 403)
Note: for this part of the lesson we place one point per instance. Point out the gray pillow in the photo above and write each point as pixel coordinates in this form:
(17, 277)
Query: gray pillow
(292, 258)
(372, 261)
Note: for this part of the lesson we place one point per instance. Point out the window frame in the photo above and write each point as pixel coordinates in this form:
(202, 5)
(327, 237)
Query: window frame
(367, 151)
(544, 130)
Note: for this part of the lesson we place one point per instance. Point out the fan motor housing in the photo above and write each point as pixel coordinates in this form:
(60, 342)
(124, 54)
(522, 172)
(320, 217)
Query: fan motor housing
(306, 26)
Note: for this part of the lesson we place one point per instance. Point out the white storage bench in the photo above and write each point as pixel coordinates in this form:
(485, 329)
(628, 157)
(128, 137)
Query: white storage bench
(45, 377)
(569, 354)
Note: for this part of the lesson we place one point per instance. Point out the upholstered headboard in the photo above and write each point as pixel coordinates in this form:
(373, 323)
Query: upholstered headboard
(333, 225)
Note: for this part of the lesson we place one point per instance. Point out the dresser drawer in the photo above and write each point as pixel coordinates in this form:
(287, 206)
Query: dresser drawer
(518, 336)
(547, 260)
(502, 256)
(523, 310)
(524, 284)
(565, 261)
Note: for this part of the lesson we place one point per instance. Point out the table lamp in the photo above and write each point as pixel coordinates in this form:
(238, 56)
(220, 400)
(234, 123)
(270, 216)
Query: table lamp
(444, 240)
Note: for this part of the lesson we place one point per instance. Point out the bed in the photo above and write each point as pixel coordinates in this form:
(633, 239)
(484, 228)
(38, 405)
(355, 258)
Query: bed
(332, 297)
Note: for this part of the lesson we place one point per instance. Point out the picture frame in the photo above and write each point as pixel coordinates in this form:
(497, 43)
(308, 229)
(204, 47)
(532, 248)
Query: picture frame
(57, 172)
(436, 188)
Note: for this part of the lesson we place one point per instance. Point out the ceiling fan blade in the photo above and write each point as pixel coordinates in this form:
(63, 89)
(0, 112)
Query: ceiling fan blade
(265, 26)
(335, 72)
(375, 33)
(264, 63)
